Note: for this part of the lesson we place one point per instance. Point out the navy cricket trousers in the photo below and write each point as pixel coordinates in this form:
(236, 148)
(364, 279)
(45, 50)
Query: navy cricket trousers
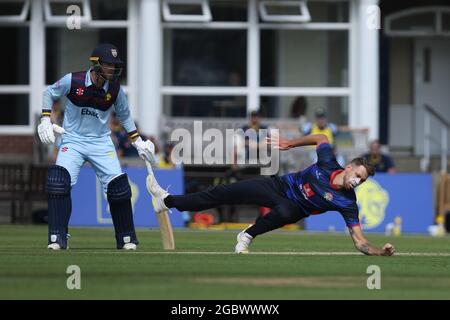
(262, 191)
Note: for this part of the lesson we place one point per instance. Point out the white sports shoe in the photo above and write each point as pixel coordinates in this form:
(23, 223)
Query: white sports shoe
(129, 246)
(54, 246)
(158, 194)
(243, 242)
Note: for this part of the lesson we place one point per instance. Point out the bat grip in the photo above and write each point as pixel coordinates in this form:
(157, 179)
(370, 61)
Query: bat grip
(149, 167)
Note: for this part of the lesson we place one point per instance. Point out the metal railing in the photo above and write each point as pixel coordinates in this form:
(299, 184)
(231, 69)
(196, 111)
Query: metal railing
(428, 139)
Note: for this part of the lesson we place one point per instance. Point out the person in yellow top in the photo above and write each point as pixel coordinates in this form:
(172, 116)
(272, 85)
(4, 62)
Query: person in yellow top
(321, 126)
(165, 159)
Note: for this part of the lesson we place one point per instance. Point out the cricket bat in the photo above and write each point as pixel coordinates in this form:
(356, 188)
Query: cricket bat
(165, 226)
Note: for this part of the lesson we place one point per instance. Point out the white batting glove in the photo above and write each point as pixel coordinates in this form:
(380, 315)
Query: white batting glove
(146, 150)
(45, 131)
(58, 129)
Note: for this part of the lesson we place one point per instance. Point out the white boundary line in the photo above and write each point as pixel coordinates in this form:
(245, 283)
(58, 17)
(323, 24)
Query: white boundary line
(311, 253)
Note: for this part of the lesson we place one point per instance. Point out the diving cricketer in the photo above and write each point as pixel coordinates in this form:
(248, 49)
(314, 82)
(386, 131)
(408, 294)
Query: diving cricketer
(91, 97)
(324, 186)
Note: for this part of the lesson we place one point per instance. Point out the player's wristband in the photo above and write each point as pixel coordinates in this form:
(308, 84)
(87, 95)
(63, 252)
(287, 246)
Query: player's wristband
(46, 113)
(133, 135)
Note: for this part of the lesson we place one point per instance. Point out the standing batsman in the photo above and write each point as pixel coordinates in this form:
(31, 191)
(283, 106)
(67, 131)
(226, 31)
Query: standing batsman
(91, 97)
(324, 186)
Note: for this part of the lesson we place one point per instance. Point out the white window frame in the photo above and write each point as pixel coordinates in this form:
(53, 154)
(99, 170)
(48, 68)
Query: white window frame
(86, 21)
(36, 86)
(169, 17)
(20, 89)
(50, 17)
(17, 18)
(253, 90)
(129, 24)
(132, 43)
(436, 10)
(304, 15)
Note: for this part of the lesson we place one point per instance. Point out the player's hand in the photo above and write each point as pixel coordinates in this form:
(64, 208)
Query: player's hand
(146, 150)
(58, 129)
(279, 143)
(45, 131)
(388, 249)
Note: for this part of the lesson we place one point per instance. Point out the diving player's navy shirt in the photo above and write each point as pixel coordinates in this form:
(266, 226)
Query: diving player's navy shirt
(313, 190)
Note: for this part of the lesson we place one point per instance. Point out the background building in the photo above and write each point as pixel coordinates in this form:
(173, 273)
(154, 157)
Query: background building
(225, 58)
(378, 68)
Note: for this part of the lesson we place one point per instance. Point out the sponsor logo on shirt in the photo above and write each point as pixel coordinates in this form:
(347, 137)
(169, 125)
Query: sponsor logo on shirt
(64, 149)
(111, 154)
(80, 91)
(317, 174)
(307, 190)
(328, 196)
(87, 112)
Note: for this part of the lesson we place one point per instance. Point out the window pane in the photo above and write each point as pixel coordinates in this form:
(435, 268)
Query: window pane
(60, 8)
(446, 22)
(205, 106)
(109, 10)
(228, 10)
(205, 57)
(320, 11)
(15, 55)
(303, 108)
(328, 11)
(221, 10)
(416, 22)
(304, 58)
(15, 109)
(69, 51)
(186, 9)
(11, 8)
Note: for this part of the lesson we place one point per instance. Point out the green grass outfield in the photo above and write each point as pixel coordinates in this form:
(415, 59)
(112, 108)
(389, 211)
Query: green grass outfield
(283, 265)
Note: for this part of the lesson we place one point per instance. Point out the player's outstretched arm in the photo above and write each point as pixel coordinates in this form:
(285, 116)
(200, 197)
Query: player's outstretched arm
(285, 144)
(365, 247)
(53, 93)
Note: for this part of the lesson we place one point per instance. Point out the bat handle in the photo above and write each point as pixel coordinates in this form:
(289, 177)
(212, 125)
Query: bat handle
(149, 167)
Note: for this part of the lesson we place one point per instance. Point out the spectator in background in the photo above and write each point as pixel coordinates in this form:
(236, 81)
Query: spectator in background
(321, 126)
(252, 142)
(255, 122)
(298, 111)
(121, 140)
(381, 162)
(165, 159)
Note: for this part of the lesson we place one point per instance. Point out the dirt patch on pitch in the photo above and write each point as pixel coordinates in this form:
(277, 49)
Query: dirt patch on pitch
(306, 282)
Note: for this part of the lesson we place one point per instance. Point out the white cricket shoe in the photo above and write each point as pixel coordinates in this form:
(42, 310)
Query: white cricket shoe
(158, 194)
(54, 246)
(129, 246)
(243, 242)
